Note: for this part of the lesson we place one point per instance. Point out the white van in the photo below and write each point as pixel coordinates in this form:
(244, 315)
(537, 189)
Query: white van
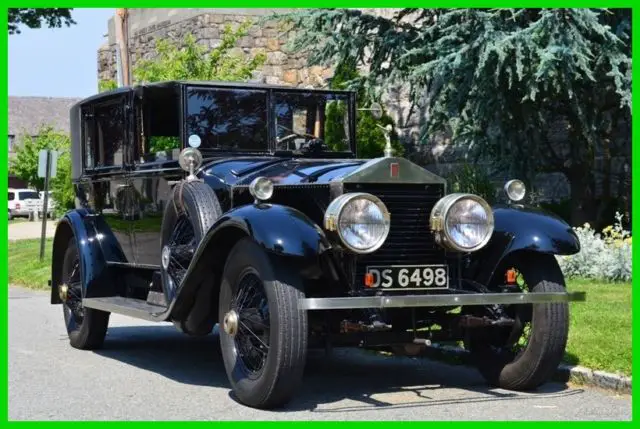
(51, 205)
(22, 202)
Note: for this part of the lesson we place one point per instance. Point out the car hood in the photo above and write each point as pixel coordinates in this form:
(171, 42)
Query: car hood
(282, 171)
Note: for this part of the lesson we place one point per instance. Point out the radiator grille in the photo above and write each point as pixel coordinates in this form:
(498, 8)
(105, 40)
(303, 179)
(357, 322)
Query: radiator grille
(410, 241)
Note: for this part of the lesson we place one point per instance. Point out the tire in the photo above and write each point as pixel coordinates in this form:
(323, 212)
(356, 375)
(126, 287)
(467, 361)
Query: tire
(200, 210)
(273, 383)
(535, 362)
(10, 217)
(86, 327)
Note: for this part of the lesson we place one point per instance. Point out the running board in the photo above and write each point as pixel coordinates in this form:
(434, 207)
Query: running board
(128, 307)
(444, 300)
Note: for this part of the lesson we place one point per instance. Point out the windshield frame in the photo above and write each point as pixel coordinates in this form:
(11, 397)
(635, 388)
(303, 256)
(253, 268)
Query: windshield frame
(271, 148)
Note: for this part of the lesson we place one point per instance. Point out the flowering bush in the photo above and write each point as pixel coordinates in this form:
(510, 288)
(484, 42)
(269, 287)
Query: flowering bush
(602, 256)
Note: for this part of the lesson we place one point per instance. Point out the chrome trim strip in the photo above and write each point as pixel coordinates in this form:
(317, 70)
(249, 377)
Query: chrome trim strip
(437, 300)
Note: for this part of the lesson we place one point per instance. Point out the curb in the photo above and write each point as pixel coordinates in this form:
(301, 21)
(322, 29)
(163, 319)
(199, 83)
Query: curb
(564, 373)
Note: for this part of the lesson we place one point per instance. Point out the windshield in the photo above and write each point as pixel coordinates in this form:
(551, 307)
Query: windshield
(312, 121)
(237, 119)
(227, 119)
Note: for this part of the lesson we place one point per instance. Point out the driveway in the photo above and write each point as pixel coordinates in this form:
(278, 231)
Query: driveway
(150, 371)
(24, 230)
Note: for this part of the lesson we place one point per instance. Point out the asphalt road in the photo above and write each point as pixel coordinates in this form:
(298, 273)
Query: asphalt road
(152, 372)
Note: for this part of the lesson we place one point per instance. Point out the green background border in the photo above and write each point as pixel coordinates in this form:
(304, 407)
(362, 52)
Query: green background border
(302, 4)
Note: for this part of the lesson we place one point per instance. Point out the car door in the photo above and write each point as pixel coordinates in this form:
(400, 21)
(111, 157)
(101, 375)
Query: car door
(155, 169)
(106, 180)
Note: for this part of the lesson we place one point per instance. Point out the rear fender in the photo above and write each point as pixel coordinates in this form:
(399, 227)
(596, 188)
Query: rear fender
(521, 229)
(96, 245)
(288, 235)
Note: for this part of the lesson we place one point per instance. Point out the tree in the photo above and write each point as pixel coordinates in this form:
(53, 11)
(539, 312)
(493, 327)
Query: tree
(33, 18)
(370, 138)
(25, 163)
(61, 186)
(499, 82)
(194, 61)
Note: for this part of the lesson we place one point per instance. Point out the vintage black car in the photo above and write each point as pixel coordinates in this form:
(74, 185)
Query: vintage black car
(246, 207)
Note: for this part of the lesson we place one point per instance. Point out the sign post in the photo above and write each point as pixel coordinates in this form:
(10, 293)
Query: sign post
(47, 163)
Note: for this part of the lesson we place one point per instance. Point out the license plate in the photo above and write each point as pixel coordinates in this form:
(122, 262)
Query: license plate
(409, 277)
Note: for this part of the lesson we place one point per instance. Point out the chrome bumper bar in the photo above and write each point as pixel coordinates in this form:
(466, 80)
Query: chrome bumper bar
(437, 300)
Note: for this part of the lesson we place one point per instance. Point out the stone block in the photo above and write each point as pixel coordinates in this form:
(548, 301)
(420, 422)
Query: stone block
(291, 76)
(260, 42)
(273, 44)
(211, 32)
(255, 31)
(276, 58)
(270, 33)
(246, 42)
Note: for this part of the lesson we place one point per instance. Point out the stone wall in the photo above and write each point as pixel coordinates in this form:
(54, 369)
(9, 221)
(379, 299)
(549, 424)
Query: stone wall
(207, 25)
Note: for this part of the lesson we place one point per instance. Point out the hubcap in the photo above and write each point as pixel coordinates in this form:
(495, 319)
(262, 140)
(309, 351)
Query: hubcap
(166, 257)
(230, 323)
(63, 292)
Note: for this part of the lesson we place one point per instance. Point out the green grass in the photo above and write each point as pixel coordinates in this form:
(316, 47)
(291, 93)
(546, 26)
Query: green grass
(600, 330)
(599, 336)
(25, 267)
(18, 220)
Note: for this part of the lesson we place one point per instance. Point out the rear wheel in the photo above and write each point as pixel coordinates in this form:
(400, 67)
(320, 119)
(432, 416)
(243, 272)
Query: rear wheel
(526, 355)
(263, 335)
(86, 327)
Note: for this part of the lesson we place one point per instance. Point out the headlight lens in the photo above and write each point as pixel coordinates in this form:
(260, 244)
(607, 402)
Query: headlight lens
(462, 222)
(515, 189)
(361, 221)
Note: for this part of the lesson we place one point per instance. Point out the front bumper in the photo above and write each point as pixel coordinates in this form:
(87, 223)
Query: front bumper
(342, 303)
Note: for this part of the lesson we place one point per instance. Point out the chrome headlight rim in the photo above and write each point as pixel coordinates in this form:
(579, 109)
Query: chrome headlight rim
(508, 190)
(438, 221)
(334, 211)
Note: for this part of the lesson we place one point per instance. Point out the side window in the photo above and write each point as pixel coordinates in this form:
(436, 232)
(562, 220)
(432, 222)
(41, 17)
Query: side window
(11, 196)
(88, 131)
(158, 126)
(109, 134)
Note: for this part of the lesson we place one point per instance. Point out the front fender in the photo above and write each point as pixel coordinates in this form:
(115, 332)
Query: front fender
(277, 228)
(96, 245)
(519, 228)
(281, 230)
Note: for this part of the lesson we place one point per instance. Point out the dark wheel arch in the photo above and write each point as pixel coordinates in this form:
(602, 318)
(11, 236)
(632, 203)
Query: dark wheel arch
(187, 219)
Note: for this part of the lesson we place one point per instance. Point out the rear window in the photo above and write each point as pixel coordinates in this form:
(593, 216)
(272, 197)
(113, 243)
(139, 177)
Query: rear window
(28, 196)
(11, 196)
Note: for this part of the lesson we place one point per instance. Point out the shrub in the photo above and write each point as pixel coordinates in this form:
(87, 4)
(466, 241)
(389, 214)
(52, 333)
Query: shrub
(602, 256)
(473, 180)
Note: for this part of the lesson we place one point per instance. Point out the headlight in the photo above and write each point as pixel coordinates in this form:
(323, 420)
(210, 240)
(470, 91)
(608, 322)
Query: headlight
(361, 221)
(462, 222)
(515, 189)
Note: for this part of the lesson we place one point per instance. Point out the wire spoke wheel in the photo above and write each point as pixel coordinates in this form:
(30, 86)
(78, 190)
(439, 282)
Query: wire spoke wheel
(73, 310)
(182, 245)
(252, 339)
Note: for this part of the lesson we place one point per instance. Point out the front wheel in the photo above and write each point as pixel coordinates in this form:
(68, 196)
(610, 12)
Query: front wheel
(263, 335)
(525, 356)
